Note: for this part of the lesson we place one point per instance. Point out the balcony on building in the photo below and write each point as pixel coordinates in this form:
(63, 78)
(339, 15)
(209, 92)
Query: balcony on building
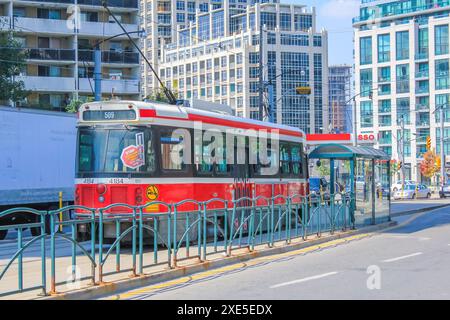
(116, 57)
(110, 86)
(47, 54)
(422, 55)
(399, 10)
(48, 84)
(62, 26)
(132, 4)
(422, 74)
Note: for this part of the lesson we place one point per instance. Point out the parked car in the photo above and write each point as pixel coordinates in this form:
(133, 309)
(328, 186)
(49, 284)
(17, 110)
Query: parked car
(398, 185)
(413, 191)
(445, 191)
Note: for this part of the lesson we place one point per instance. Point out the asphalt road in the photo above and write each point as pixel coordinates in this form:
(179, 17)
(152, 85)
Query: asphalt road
(409, 262)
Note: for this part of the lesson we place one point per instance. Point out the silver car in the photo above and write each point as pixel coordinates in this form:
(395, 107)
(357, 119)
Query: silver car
(413, 191)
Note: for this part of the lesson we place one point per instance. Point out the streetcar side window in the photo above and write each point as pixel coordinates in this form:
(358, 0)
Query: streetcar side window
(172, 152)
(285, 158)
(296, 156)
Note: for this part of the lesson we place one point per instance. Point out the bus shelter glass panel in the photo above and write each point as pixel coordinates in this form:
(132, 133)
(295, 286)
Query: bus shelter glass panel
(343, 180)
(363, 191)
(382, 194)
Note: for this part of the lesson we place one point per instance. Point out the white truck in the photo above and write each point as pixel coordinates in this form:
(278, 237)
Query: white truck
(37, 161)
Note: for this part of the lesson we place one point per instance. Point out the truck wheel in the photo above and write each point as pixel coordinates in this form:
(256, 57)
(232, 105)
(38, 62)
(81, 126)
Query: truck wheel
(3, 234)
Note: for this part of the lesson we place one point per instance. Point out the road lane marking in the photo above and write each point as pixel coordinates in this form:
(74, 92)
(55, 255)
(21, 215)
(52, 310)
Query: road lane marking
(403, 257)
(303, 280)
(254, 262)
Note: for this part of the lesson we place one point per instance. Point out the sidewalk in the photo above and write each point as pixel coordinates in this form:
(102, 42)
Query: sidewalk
(153, 273)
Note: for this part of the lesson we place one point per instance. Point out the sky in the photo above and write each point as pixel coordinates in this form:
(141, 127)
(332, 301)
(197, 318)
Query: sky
(336, 17)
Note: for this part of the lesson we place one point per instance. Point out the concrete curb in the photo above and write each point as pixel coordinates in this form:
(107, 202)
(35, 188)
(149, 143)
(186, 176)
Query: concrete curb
(166, 275)
(404, 213)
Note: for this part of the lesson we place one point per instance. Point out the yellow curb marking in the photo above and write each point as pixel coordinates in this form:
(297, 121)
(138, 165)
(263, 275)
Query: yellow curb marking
(253, 262)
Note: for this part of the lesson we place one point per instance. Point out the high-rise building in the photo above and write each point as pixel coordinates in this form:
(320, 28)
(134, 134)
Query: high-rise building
(162, 19)
(216, 58)
(402, 76)
(60, 37)
(339, 92)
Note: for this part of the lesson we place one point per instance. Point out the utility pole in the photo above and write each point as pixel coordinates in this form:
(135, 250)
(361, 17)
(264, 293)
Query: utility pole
(98, 73)
(261, 81)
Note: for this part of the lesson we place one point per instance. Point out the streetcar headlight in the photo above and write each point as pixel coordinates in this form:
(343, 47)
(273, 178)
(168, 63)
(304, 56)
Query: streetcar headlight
(101, 199)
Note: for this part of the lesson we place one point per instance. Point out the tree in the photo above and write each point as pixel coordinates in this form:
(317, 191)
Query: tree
(428, 166)
(324, 169)
(74, 105)
(159, 96)
(12, 62)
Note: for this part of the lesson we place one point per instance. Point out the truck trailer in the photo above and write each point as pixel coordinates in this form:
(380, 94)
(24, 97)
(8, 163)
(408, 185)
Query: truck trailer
(37, 161)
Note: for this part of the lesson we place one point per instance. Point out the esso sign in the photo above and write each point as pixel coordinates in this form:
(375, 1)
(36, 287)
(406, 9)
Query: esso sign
(367, 138)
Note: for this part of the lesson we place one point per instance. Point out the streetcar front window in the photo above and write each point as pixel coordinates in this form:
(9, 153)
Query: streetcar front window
(115, 151)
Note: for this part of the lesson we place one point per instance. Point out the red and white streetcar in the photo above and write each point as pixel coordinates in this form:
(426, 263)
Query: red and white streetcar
(125, 155)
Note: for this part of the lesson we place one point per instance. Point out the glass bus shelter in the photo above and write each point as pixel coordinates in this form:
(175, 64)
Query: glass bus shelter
(364, 173)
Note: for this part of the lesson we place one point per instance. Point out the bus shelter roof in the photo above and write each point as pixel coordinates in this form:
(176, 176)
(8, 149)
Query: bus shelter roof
(339, 151)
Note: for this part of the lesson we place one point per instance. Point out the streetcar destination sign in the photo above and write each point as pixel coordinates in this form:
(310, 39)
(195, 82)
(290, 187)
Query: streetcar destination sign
(108, 115)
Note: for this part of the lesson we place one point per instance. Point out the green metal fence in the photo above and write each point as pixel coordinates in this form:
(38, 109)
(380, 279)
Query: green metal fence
(213, 227)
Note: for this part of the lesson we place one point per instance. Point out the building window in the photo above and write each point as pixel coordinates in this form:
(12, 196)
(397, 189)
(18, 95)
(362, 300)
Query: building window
(285, 21)
(402, 45)
(366, 82)
(218, 27)
(366, 114)
(181, 17)
(203, 27)
(403, 110)
(384, 74)
(253, 57)
(269, 19)
(365, 50)
(423, 43)
(384, 106)
(181, 5)
(442, 74)
(441, 39)
(302, 22)
(403, 78)
(317, 41)
(384, 50)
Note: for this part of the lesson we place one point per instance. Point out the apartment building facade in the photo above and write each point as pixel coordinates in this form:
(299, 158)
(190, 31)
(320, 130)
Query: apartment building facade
(162, 20)
(216, 58)
(402, 76)
(60, 37)
(339, 88)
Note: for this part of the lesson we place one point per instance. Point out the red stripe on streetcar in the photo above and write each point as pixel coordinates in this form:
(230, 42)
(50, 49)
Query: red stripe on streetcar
(146, 113)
